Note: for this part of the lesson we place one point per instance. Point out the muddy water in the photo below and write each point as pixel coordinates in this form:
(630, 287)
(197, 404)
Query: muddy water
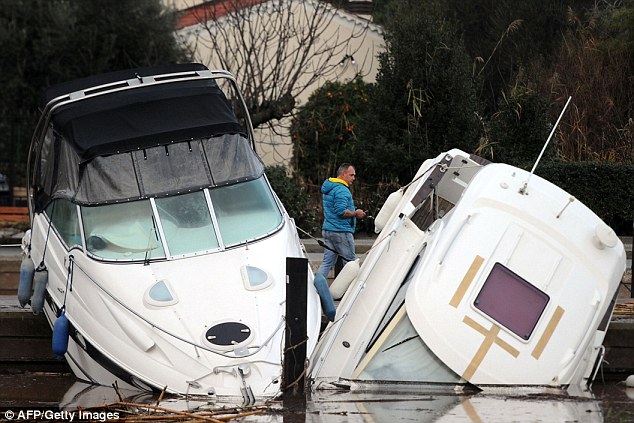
(609, 401)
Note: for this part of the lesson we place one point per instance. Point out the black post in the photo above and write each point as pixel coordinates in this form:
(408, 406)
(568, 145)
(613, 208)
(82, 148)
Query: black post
(295, 340)
(632, 258)
(339, 265)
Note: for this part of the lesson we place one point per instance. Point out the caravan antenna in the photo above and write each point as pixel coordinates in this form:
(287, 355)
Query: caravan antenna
(525, 186)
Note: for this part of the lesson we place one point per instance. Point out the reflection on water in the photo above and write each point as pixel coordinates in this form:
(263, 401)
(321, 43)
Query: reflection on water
(609, 402)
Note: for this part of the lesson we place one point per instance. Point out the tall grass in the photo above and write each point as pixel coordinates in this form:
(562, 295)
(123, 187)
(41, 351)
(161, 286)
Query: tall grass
(599, 125)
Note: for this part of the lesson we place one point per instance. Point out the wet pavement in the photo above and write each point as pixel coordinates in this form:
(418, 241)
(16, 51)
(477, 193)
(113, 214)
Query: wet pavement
(609, 401)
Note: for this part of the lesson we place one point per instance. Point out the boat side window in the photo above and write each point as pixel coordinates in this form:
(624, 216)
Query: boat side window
(245, 211)
(123, 231)
(63, 215)
(187, 223)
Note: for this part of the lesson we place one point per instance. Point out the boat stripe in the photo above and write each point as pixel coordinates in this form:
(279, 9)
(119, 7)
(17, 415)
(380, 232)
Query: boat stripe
(507, 347)
(490, 338)
(379, 342)
(466, 281)
(548, 332)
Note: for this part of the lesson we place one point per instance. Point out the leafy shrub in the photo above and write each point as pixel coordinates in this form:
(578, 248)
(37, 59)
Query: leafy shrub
(324, 130)
(520, 128)
(295, 199)
(425, 98)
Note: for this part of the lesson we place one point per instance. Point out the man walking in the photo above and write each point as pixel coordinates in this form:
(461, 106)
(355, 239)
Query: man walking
(340, 218)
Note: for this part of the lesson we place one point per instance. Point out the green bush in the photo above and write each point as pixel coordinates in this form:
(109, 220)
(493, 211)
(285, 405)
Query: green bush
(424, 101)
(606, 188)
(295, 199)
(324, 129)
(519, 129)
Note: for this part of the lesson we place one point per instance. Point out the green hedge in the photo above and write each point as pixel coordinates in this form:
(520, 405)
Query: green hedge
(606, 188)
(295, 199)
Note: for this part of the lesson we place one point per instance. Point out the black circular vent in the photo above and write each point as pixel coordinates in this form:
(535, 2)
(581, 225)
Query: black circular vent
(227, 334)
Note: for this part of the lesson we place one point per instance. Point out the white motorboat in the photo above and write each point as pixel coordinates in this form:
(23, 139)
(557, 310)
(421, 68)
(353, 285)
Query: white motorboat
(482, 274)
(157, 244)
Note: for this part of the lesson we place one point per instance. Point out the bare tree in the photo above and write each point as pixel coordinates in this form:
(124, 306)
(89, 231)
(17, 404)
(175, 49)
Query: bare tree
(277, 49)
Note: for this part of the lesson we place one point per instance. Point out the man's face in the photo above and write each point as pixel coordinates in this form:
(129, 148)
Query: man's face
(349, 175)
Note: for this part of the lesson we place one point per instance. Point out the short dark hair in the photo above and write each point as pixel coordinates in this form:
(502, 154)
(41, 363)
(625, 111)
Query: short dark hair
(342, 168)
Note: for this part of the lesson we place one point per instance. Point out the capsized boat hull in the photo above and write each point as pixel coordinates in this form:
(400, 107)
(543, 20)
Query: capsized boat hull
(476, 278)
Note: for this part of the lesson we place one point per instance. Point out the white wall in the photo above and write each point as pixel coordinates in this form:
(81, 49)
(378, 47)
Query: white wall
(275, 148)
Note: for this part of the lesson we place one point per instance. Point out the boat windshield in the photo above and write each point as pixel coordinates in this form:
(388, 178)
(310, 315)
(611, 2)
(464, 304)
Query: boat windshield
(174, 226)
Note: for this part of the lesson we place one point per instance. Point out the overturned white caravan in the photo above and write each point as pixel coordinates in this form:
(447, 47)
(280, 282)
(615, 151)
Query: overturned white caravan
(482, 274)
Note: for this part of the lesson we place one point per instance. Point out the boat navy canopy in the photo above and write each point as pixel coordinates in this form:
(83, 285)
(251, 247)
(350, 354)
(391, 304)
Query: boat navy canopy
(154, 140)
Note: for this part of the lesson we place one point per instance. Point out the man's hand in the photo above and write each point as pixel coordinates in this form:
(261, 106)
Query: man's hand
(359, 214)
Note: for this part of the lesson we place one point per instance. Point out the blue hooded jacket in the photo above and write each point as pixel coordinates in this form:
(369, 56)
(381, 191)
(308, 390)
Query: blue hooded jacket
(336, 199)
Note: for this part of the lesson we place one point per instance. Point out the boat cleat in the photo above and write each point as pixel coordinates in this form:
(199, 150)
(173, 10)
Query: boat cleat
(244, 370)
(247, 393)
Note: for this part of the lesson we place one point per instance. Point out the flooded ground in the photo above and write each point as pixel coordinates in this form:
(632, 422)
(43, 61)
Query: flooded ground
(610, 401)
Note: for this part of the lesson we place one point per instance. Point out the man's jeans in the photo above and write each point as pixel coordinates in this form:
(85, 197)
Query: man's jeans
(343, 243)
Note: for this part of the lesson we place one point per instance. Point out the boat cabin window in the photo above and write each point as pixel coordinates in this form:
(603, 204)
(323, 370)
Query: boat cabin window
(511, 301)
(63, 215)
(125, 231)
(185, 224)
(245, 211)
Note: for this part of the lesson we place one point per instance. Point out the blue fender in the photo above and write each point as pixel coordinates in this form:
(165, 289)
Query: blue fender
(60, 335)
(25, 287)
(39, 289)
